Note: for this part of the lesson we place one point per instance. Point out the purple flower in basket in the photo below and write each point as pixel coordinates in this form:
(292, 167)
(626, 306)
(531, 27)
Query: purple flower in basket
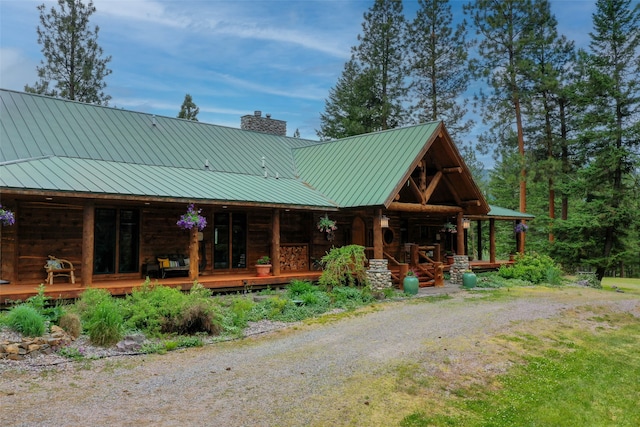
(192, 219)
(521, 227)
(6, 217)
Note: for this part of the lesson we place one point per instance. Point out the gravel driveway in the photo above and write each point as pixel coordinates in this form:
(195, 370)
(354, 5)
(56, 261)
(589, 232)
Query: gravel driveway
(284, 378)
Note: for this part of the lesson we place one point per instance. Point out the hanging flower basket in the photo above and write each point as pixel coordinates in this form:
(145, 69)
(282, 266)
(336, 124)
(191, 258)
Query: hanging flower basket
(6, 217)
(449, 228)
(326, 225)
(192, 219)
(521, 228)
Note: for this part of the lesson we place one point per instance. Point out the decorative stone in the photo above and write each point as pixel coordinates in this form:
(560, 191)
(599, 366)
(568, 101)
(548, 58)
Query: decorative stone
(457, 269)
(378, 274)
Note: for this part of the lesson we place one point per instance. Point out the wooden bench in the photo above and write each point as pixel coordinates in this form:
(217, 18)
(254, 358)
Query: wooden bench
(173, 264)
(58, 267)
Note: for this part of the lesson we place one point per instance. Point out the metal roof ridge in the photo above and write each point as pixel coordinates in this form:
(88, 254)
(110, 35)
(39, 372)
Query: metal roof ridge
(28, 159)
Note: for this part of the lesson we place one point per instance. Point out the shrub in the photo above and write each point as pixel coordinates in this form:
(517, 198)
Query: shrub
(105, 323)
(149, 307)
(344, 266)
(300, 287)
(192, 318)
(42, 304)
(348, 297)
(71, 324)
(534, 268)
(25, 319)
(88, 302)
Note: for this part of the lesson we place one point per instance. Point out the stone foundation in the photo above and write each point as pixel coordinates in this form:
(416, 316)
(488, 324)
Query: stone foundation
(457, 269)
(379, 274)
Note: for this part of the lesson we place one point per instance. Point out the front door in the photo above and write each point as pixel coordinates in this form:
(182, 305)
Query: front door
(229, 240)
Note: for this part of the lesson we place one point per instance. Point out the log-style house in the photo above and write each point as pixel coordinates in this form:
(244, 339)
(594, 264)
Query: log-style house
(103, 188)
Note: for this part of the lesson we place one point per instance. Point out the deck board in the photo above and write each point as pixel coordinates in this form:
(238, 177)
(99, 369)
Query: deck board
(238, 282)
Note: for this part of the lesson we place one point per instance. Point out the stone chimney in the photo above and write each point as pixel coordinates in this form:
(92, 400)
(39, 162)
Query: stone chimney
(257, 123)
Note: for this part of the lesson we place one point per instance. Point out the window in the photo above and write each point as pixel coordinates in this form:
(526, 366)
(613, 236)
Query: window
(116, 237)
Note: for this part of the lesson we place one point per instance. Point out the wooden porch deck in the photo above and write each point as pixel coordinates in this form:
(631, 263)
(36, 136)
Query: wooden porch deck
(219, 283)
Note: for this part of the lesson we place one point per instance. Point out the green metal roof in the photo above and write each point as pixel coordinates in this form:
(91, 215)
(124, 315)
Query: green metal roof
(497, 212)
(363, 170)
(37, 126)
(65, 174)
(57, 145)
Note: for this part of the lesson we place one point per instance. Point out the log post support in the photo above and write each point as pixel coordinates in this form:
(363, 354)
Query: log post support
(275, 242)
(88, 225)
(377, 235)
(460, 234)
(492, 240)
(194, 256)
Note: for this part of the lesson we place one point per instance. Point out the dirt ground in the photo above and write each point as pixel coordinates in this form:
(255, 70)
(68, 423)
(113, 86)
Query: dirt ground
(345, 371)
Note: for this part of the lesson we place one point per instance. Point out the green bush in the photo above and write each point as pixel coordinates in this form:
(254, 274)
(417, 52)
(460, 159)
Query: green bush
(344, 266)
(105, 322)
(149, 307)
(27, 320)
(349, 298)
(42, 304)
(534, 268)
(88, 302)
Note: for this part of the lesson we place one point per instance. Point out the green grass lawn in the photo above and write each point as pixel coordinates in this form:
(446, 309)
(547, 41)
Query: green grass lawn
(582, 371)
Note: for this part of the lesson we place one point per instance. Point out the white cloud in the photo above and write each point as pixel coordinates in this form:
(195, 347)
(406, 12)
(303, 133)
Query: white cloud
(16, 70)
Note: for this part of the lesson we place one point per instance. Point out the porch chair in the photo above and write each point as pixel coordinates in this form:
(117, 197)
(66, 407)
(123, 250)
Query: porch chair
(56, 267)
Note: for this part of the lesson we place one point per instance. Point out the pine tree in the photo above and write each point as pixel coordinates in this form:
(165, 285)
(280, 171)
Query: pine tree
(353, 106)
(610, 91)
(189, 110)
(438, 64)
(546, 59)
(506, 32)
(73, 66)
(369, 94)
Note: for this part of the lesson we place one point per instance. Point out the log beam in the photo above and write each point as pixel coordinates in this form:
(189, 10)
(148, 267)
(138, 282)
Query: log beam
(456, 169)
(431, 187)
(412, 207)
(416, 191)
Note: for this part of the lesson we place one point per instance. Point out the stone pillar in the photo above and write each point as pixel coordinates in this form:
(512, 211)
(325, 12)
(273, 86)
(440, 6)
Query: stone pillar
(457, 269)
(378, 274)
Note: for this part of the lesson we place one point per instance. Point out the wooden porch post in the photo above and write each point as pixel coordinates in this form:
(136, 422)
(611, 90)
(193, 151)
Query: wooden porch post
(88, 225)
(194, 254)
(275, 242)
(492, 240)
(460, 234)
(479, 233)
(377, 235)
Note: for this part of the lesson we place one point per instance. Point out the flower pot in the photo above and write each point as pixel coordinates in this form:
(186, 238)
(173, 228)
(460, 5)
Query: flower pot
(469, 280)
(263, 270)
(410, 285)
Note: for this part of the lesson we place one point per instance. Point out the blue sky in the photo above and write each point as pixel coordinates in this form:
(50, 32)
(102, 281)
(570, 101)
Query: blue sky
(281, 57)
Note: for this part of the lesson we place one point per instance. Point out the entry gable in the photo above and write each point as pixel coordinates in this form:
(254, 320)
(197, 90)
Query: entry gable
(439, 178)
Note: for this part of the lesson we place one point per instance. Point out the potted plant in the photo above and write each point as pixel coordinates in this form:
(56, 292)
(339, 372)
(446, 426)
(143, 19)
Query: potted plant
(263, 266)
(411, 283)
(449, 257)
